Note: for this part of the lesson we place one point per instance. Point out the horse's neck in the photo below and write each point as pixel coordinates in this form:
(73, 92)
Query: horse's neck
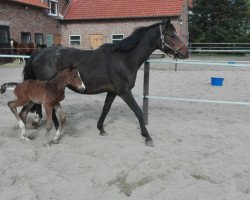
(145, 47)
(58, 83)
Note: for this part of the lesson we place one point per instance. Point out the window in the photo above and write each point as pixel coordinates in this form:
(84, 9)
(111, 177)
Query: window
(4, 35)
(38, 38)
(25, 37)
(74, 40)
(53, 7)
(49, 40)
(117, 38)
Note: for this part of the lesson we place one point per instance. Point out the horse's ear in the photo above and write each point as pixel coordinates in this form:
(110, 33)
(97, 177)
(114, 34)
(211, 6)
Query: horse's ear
(166, 21)
(75, 65)
(72, 67)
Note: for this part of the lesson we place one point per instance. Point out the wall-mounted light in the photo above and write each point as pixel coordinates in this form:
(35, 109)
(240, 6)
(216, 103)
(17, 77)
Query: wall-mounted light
(180, 20)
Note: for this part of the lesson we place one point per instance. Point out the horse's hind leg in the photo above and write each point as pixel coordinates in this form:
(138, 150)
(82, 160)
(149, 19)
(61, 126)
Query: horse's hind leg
(12, 105)
(55, 120)
(25, 111)
(39, 115)
(129, 99)
(61, 114)
(48, 110)
(108, 102)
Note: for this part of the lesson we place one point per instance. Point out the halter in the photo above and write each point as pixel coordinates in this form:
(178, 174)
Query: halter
(164, 44)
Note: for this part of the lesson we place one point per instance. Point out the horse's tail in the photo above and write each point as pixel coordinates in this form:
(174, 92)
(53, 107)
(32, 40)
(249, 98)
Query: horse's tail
(6, 86)
(28, 72)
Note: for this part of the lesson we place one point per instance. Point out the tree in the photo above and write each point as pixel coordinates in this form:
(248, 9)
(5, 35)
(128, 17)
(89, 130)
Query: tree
(219, 21)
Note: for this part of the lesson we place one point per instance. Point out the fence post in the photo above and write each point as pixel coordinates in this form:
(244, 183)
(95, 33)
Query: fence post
(175, 68)
(145, 92)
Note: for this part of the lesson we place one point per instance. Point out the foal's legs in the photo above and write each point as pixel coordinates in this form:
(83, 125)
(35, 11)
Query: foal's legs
(25, 111)
(129, 99)
(61, 114)
(13, 105)
(108, 102)
(39, 115)
(48, 109)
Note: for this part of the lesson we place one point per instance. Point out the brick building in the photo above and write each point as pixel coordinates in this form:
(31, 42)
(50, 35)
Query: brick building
(85, 24)
(30, 21)
(88, 25)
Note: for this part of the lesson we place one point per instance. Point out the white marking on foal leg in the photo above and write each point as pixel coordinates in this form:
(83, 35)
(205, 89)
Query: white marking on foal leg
(37, 118)
(58, 133)
(23, 133)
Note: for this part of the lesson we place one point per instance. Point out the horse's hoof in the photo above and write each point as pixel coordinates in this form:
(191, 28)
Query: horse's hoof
(103, 133)
(34, 124)
(149, 143)
(47, 144)
(24, 137)
(54, 141)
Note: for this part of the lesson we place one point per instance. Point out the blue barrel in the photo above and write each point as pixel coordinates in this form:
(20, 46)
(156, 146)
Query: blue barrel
(217, 81)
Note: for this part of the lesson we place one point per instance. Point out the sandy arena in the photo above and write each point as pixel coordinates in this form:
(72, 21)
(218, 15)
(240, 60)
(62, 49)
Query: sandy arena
(202, 151)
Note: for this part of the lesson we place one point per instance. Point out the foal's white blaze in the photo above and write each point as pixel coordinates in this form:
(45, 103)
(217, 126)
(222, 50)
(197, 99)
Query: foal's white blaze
(82, 86)
(11, 43)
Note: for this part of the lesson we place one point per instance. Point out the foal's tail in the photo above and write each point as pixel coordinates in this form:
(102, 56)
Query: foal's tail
(10, 85)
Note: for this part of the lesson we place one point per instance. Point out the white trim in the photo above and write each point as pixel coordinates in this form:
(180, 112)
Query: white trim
(56, 8)
(116, 39)
(74, 40)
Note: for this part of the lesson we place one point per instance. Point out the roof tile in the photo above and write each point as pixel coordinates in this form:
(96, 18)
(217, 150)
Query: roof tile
(111, 9)
(36, 3)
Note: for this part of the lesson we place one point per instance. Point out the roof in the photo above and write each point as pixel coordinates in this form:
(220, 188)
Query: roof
(114, 9)
(36, 3)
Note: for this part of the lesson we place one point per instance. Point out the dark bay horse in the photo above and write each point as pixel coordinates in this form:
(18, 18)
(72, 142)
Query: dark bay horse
(23, 48)
(49, 93)
(112, 68)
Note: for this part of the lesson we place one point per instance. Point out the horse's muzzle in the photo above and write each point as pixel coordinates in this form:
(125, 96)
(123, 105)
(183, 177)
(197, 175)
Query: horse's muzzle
(82, 88)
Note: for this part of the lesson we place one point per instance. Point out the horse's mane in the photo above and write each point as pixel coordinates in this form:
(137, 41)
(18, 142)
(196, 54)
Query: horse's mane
(130, 42)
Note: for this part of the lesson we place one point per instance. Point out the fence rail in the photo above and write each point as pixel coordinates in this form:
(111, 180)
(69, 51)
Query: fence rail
(146, 95)
(220, 47)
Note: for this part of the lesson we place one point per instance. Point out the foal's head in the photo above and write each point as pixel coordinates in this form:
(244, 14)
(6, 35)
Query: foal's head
(170, 42)
(73, 78)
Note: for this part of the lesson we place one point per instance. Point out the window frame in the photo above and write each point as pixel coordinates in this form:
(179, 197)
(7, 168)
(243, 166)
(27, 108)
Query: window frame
(39, 34)
(80, 40)
(6, 38)
(56, 7)
(117, 40)
(26, 34)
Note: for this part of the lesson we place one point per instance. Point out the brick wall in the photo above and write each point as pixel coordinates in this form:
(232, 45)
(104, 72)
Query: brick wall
(23, 18)
(108, 28)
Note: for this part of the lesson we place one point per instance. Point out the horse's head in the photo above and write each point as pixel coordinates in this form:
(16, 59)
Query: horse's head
(13, 43)
(74, 79)
(169, 41)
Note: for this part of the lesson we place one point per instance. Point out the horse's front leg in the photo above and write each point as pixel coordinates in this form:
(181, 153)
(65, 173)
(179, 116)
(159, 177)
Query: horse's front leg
(61, 114)
(48, 110)
(108, 102)
(130, 101)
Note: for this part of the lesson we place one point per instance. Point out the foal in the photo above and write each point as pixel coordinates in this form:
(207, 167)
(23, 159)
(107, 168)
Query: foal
(49, 93)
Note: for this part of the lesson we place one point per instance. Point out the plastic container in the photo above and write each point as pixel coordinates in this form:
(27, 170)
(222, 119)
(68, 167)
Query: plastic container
(217, 81)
